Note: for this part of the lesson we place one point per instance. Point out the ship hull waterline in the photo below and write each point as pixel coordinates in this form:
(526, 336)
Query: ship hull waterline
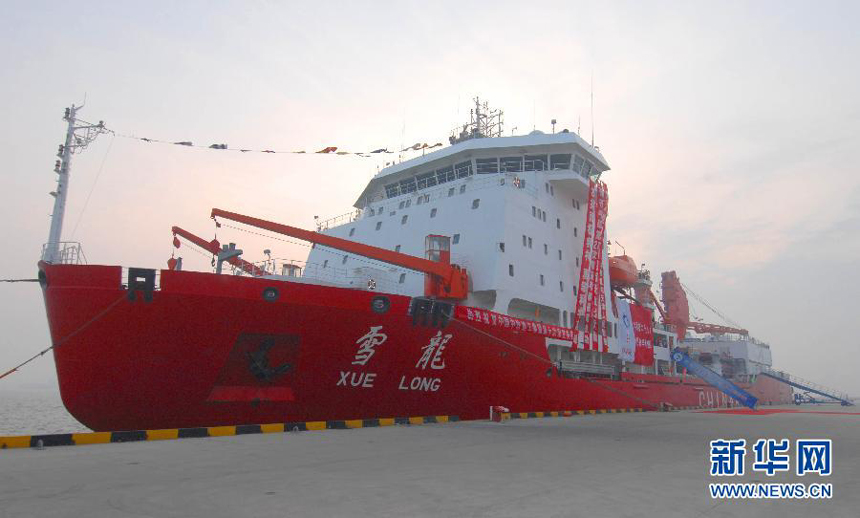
(210, 350)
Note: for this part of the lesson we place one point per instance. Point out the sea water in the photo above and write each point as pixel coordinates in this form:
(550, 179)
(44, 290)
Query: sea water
(33, 412)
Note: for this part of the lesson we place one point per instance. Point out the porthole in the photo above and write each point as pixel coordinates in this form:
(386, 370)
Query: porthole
(271, 294)
(380, 304)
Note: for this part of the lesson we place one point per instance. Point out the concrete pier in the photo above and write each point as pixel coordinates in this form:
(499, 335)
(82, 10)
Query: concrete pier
(638, 464)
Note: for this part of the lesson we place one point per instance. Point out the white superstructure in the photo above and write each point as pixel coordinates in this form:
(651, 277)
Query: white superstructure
(515, 208)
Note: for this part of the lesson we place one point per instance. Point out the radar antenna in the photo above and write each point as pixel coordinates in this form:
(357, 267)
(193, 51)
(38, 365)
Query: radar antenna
(483, 123)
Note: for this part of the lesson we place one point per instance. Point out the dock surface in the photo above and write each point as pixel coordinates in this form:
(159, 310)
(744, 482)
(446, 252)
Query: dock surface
(633, 464)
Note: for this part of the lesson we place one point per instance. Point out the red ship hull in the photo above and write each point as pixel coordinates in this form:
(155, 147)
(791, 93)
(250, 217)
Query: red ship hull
(210, 350)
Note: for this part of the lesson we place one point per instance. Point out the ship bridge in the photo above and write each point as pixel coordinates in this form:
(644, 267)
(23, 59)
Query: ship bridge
(538, 151)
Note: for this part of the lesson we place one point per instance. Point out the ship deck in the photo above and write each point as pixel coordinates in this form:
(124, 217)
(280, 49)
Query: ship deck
(642, 464)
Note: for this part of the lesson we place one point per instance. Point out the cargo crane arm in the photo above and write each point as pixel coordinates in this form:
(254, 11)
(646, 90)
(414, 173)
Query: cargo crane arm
(215, 247)
(453, 279)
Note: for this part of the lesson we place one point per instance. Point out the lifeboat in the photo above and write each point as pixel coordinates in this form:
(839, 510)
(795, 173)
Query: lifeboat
(622, 271)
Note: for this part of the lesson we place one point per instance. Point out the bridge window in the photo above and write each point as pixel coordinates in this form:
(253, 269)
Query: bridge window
(586, 169)
(407, 186)
(560, 161)
(512, 164)
(433, 213)
(426, 180)
(476, 203)
(463, 169)
(392, 190)
(487, 165)
(577, 163)
(535, 163)
(445, 174)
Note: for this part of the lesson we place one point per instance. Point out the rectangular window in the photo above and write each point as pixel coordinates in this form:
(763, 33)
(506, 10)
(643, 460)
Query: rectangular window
(543, 216)
(476, 203)
(535, 163)
(325, 263)
(407, 186)
(541, 279)
(378, 225)
(577, 260)
(502, 247)
(546, 187)
(402, 204)
(586, 169)
(551, 191)
(392, 190)
(512, 164)
(404, 219)
(445, 174)
(426, 180)
(487, 165)
(344, 259)
(402, 278)
(557, 223)
(463, 169)
(534, 211)
(545, 249)
(433, 213)
(559, 162)
(575, 231)
(456, 239)
(397, 248)
(530, 242)
(462, 188)
(559, 255)
(450, 192)
(525, 241)
(352, 232)
(420, 200)
(560, 286)
(577, 163)
(511, 270)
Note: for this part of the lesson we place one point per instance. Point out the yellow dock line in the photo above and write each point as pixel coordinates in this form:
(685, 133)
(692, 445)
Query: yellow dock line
(77, 439)
(568, 413)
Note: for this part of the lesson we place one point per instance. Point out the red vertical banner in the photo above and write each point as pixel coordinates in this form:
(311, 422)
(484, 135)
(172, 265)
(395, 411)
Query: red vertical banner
(644, 334)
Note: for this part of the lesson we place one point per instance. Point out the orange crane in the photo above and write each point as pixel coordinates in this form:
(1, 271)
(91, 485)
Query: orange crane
(443, 279)
(214, 247)
(677, 310)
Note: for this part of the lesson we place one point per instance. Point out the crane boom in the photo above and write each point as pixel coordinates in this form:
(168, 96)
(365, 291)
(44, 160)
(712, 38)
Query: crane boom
(453, 279)
(214, 247)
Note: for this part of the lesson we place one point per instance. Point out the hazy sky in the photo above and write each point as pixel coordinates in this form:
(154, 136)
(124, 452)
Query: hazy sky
(732, 129)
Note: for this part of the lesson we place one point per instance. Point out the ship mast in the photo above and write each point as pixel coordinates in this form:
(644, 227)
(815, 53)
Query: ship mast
(78, 135)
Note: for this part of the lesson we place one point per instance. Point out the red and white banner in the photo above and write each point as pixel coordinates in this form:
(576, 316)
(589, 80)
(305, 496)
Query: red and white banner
(491, 318)
(644, 335)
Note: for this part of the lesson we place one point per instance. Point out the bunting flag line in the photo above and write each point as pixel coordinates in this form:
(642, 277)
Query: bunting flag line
(328, 150)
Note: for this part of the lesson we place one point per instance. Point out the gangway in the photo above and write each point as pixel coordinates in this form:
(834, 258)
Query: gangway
(808, 386)
(713, 379)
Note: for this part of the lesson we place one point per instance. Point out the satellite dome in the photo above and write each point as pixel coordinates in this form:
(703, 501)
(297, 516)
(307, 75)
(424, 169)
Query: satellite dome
(536, 132)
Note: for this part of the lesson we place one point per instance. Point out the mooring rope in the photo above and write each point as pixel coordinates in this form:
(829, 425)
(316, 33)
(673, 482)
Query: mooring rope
(67, 337)
(19, 280)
